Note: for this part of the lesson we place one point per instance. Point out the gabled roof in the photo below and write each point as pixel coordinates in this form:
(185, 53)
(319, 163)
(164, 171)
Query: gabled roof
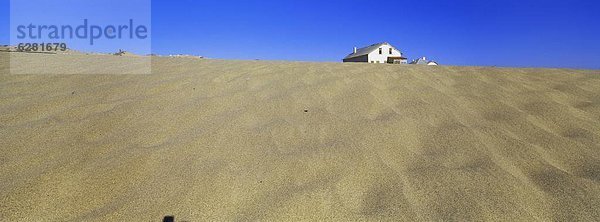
(368, 49)
(420, 61)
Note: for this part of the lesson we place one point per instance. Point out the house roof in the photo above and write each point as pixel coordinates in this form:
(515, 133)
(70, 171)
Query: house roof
(368, 49)
(420, 61)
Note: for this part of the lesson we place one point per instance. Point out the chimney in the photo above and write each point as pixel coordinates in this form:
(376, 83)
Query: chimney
(354, 50)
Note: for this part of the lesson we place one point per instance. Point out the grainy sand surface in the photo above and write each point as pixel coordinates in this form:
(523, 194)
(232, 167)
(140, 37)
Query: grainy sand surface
(258, 140)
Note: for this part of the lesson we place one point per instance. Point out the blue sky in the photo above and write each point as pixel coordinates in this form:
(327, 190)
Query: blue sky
(470, 32)
(75, 13)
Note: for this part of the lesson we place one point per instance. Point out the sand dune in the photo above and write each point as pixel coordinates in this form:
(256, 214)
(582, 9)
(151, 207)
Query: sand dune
(259, 140)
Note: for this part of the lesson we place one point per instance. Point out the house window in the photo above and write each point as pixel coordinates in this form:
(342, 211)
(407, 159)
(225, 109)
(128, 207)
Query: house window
(380, 51)
(391, 51)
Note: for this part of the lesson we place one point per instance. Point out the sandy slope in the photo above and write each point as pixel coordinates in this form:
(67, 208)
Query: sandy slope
(238, 140)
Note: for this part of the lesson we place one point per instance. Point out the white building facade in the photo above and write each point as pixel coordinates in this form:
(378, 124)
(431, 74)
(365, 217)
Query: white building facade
(377, 53)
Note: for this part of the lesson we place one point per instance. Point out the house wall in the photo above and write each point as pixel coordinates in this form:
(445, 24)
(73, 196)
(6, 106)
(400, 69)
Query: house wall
(375, 56)
(403, 61)
(363, 58)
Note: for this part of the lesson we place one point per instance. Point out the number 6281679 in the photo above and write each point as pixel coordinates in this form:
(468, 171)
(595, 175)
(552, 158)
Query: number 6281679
(41, 47)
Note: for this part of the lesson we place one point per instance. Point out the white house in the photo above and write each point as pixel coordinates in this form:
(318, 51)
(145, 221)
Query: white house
(377, 53)
(424, 61)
